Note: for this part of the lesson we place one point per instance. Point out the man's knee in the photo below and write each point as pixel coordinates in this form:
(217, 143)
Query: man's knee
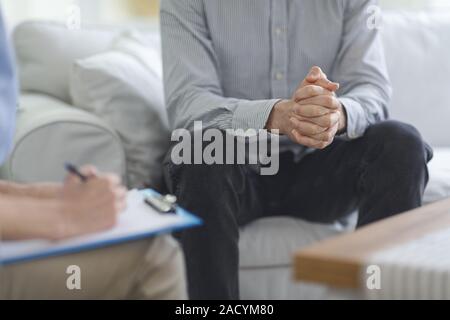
(400, 141)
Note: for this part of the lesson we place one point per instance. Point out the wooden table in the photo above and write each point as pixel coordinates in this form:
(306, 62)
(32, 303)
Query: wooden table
(339, 262)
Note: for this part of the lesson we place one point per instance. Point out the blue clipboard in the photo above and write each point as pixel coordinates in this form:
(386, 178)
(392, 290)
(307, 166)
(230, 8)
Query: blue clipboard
(13, 252)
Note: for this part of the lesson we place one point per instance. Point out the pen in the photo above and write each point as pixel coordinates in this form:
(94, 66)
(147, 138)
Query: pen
(74, 170)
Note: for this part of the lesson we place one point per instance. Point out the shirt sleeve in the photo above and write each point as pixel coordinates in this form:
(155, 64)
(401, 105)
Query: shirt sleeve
(8, 94)
(191, 80)
(361, 70)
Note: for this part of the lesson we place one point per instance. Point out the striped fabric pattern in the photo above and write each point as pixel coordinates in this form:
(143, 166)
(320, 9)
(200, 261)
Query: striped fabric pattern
(227, 62)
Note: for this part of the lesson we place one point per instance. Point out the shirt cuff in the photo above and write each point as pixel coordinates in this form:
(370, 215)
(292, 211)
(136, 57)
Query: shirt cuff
(356, 118)
(253, 114)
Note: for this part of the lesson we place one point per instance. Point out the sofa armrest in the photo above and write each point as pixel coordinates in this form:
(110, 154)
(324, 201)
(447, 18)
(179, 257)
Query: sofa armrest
(50, 133)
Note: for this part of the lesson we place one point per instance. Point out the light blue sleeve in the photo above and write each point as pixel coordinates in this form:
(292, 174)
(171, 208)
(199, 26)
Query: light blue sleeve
(8, 94)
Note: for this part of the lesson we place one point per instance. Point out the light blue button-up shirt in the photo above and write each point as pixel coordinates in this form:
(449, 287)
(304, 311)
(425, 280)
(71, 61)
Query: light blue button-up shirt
(227, 62)
(8, 94)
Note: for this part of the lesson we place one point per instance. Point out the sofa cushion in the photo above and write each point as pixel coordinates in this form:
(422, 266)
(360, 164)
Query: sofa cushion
(270, 242)
(123, 87)
(439, 168)
(46, 51)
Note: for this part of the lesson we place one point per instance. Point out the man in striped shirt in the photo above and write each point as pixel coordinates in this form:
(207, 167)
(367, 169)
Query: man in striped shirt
(247, 65)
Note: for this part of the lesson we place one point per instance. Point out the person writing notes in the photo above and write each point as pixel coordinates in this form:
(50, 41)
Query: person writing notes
(146, 269)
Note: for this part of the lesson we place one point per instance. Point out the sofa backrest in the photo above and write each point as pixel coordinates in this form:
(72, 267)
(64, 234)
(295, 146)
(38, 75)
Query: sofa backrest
(417, 49)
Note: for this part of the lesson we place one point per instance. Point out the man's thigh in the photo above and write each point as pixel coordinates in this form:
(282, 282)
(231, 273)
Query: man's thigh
(107, 273)
(322, 187)
(233, 190)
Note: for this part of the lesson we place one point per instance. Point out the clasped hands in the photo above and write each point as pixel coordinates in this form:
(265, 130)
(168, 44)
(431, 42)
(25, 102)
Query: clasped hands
(313, 116)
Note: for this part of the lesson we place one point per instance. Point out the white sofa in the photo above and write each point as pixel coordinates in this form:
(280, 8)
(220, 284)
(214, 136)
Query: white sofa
(50, 131)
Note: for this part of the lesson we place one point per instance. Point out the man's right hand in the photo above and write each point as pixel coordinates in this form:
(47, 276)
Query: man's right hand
(91, 206)
(285, 117)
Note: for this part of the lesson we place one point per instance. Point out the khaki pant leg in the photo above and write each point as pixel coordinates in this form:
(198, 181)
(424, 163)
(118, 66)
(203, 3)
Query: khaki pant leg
(118, 272)
(164, 278)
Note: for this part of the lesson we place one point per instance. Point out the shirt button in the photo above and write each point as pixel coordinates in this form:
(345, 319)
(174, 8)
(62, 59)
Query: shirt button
(279, 76)
(278, 31)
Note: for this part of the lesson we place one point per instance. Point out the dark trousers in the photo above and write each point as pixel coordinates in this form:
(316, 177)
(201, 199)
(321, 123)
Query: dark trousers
(381, 174)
